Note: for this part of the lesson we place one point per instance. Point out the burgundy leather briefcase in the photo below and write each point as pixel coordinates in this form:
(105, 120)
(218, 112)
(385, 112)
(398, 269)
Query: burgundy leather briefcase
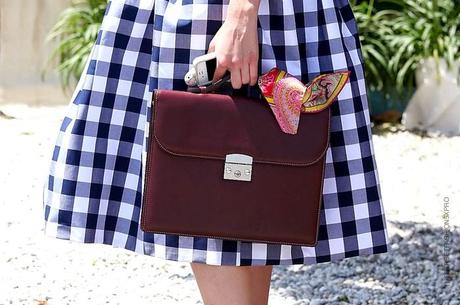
(219, 166)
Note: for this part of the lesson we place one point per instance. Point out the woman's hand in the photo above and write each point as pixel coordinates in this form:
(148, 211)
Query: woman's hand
(236, 44)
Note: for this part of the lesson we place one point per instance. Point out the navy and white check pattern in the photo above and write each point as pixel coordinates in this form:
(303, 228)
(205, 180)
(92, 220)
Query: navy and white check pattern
(93, 191)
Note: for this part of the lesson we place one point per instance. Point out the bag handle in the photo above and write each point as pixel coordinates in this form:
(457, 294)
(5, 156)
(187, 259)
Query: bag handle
(212, 87)
(224, 86)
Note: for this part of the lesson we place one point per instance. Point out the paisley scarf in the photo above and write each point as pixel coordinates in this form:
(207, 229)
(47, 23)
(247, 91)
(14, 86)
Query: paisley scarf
(288, 97)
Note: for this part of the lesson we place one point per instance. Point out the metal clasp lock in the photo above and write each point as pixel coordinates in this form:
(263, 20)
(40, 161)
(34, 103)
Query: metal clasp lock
(238, 167)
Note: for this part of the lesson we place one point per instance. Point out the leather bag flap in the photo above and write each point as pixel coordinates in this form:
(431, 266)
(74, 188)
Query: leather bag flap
(213, 125)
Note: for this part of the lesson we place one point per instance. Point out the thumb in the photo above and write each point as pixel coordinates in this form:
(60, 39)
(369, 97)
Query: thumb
(219, 72)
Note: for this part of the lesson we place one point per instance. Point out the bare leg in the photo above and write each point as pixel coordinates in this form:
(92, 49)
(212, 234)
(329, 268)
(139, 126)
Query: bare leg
(233, 285)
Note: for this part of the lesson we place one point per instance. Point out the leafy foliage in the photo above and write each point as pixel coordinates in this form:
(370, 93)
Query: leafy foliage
(76, 30)
(374, 29)
(423, 29)
(397, 34)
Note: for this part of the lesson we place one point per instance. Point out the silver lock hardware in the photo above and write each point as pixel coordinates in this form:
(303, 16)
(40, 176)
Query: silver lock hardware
(238, 167)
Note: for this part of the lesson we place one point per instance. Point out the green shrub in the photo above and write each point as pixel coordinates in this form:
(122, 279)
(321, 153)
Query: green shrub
(397, 34)
(374, 29)
(423, 29)
(76, 30)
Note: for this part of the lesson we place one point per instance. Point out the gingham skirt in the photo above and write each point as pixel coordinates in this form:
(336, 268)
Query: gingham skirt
(93, 190)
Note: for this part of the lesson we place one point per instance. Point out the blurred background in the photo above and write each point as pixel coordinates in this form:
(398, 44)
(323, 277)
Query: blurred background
(411, 52)
(24, 52)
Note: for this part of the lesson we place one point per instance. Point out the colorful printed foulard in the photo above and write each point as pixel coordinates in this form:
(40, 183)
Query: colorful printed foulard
(288, 97)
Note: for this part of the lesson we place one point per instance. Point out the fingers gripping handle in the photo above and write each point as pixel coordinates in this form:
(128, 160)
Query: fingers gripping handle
(212, 87)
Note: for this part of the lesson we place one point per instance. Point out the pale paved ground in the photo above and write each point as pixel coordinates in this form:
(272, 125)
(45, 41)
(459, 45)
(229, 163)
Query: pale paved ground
(416, 174)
